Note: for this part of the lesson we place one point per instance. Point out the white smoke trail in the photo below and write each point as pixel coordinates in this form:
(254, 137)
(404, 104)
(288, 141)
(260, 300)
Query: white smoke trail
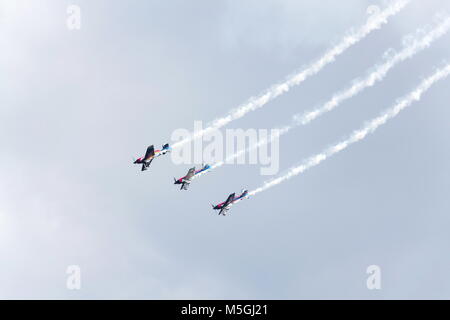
(360, 134)
(416, 44)
(255, 103)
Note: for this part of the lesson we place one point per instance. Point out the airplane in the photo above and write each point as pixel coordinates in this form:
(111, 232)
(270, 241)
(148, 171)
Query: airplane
(151, 154)
(232, 199)
(186, 180)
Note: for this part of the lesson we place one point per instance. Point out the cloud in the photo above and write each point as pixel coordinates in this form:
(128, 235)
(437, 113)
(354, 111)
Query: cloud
(286, 26)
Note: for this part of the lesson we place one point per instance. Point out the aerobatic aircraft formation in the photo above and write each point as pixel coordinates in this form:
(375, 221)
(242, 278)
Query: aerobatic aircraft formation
(416, 43)
(185, 181)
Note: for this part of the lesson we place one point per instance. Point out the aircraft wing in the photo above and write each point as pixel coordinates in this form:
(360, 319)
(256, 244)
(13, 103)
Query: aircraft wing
(227, 203)
(185, 185)
(150, 152)
(145, 165)
(190, 174)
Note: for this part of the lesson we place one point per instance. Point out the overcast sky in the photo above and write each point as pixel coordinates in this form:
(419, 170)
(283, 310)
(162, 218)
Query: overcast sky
(76, 106)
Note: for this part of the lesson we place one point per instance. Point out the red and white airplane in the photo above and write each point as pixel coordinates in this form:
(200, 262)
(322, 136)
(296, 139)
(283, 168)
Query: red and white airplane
(232, 199)
(150, 155)
(192, 174)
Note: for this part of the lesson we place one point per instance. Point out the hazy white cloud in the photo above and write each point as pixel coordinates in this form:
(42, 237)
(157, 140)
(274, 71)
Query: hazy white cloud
(286, 26)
